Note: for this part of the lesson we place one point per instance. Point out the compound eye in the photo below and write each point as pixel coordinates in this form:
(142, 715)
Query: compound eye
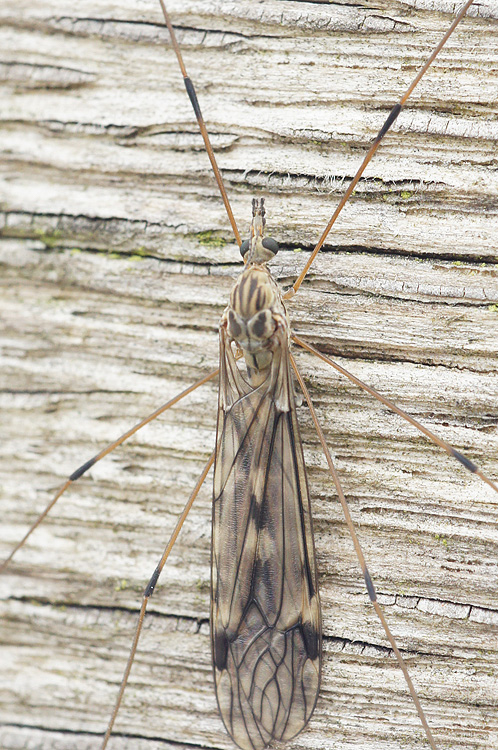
(271, 245)
(244, 247)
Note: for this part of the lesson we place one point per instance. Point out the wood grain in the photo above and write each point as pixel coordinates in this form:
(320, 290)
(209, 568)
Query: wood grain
(117, 261)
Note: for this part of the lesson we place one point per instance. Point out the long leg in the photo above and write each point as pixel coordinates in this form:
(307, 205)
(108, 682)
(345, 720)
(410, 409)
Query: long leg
(463, 460)
(202, 126)
(149, 590)
(391, 118)
(100, 455)
(361, 559)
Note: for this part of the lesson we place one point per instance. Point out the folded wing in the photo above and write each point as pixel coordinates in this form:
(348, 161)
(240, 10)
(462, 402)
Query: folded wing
(265, 611)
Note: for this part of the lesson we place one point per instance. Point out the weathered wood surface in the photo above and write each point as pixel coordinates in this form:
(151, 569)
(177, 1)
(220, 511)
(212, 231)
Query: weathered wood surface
(117, 263)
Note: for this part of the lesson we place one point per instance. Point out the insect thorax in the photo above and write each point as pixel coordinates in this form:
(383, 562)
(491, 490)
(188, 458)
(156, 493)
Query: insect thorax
(256, 319)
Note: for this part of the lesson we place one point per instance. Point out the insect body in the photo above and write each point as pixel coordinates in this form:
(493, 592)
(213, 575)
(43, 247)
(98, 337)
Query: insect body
(265, 610)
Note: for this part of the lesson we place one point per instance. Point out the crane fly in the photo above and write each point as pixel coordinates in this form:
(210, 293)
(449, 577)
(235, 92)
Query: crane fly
(265, 617)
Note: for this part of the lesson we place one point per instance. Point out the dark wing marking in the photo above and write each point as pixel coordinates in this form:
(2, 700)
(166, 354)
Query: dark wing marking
(265, 611)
